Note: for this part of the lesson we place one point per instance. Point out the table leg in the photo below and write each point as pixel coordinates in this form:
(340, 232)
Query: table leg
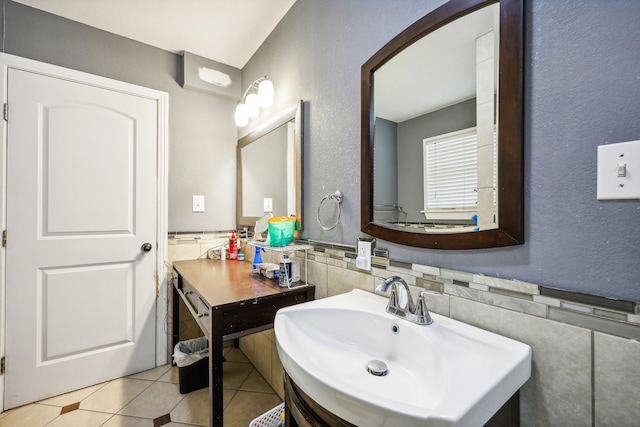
(215, 369)
(175, 330)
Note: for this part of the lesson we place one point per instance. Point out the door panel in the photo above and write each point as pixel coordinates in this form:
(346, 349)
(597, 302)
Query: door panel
(89, 179)
(102, 292)
(81, 201)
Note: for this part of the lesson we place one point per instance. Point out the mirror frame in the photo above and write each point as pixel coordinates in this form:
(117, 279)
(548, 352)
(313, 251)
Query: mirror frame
(510, 229)
(293, 113)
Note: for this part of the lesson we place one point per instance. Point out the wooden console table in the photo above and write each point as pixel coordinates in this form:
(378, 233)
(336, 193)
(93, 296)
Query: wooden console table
(228, 302)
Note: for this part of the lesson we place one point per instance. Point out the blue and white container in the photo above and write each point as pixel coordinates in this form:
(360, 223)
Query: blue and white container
(286, 273)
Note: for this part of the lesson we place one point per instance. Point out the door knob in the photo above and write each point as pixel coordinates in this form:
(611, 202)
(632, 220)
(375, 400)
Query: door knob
(146, 247)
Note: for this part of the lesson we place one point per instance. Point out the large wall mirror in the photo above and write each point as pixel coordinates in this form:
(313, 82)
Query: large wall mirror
(270, 167)
(442, 130)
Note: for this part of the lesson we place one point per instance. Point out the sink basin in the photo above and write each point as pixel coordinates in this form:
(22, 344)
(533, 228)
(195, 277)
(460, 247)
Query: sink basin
(445, 374)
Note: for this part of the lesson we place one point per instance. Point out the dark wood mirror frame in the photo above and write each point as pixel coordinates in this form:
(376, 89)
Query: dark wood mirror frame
(510, 229)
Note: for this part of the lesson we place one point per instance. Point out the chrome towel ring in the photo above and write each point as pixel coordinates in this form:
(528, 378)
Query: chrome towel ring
(337, 199)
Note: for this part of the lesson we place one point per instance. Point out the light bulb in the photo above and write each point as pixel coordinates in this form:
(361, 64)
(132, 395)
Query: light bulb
(265, 93)
(253, 107)
(241, 115)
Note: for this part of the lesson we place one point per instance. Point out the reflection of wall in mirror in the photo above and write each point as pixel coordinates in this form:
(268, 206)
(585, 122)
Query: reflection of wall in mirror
(410, 134)
(264, 174)
(385, 170)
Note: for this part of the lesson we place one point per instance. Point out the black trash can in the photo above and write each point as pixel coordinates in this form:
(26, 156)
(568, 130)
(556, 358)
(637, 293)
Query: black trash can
(192, 358)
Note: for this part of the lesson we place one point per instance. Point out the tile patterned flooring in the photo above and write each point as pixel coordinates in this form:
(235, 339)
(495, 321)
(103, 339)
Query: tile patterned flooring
(152, 399)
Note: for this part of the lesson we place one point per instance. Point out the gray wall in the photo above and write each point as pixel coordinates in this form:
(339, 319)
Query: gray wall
(202, 132)
(410, 154)
(581, 91)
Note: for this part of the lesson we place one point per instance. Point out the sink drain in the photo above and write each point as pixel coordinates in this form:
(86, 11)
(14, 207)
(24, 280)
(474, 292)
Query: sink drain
(377, 368)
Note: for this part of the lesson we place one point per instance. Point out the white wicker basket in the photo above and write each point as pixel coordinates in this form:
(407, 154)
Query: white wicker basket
(272, 418)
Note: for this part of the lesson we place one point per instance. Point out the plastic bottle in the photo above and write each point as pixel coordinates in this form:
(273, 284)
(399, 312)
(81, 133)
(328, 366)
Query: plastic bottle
(233, 246)
(285, 278)
(257, 258)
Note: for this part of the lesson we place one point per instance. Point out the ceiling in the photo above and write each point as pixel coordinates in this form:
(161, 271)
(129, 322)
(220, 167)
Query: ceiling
(227, 31)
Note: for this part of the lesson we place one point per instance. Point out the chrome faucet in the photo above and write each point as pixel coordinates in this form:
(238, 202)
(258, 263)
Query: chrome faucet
(401, 302)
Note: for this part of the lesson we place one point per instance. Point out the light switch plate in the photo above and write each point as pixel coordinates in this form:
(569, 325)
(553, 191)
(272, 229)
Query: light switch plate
(198, 203)
(619, 171)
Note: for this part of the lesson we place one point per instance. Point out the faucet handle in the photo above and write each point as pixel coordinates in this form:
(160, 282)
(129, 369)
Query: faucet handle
(400, 301)
(393, 298)
(394, 306)
(422, 312)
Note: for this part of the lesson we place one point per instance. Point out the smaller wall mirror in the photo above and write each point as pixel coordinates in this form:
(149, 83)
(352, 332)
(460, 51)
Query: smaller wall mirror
(442, 130)
(270, 169)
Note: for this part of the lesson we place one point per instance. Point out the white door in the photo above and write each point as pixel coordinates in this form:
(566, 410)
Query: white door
(81, 203)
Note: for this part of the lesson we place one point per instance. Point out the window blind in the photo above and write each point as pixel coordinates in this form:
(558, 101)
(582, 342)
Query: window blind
(451, 175)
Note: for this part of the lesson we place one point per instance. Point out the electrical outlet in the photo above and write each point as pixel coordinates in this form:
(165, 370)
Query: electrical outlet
(363, 248)
(198, 204)
(363, 259)
(268, 204)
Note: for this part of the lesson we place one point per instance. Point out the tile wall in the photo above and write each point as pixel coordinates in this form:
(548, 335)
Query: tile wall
(586, 349)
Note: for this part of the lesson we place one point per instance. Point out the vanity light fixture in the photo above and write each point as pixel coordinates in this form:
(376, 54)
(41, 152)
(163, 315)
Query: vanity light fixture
(258, 95)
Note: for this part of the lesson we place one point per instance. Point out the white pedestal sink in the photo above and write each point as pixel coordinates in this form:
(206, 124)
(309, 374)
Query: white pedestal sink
(444, 374)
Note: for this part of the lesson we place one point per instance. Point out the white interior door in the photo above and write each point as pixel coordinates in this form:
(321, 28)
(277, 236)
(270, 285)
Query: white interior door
(81, 203)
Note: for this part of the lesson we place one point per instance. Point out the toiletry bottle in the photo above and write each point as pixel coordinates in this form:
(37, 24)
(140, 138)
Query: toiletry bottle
(257, 258)
(233, 246)
(289, 269)
(285, 278)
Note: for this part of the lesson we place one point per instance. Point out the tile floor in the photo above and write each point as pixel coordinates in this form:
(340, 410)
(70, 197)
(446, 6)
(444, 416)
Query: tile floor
(152, 399)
